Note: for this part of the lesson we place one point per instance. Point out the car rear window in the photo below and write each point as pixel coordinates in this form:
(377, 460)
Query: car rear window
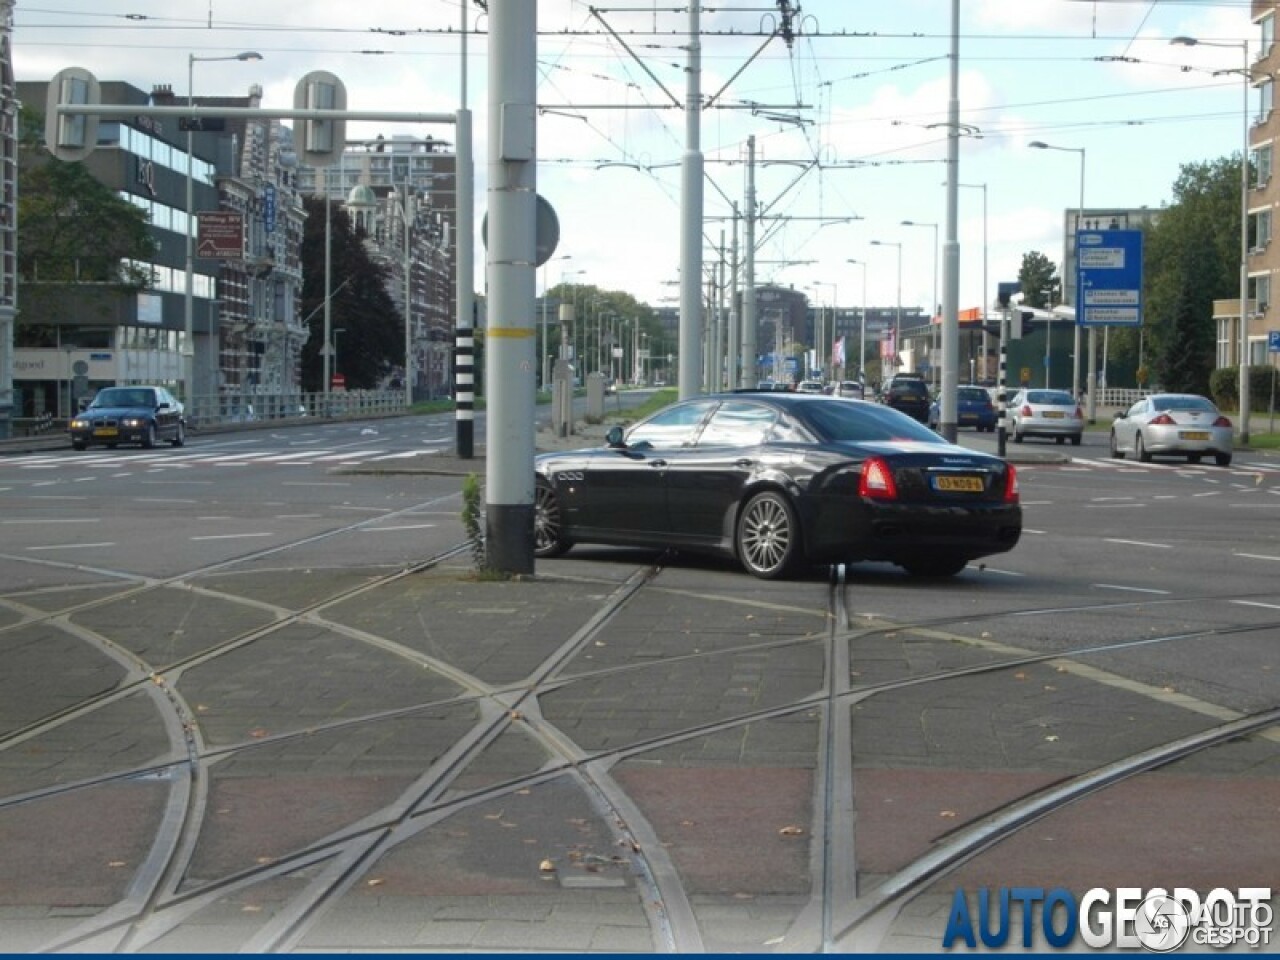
(973, 394)
(1050, 398)
(908, 388)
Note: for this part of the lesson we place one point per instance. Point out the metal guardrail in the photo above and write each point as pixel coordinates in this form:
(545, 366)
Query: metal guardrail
(229, 410)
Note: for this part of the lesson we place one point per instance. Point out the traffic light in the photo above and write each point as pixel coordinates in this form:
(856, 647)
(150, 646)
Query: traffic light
(322, 141)
(73, 136)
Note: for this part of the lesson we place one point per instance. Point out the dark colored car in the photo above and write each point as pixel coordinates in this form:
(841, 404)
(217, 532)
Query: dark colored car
(910, 395)
(144, 415)
(779, 481)
(973, 409)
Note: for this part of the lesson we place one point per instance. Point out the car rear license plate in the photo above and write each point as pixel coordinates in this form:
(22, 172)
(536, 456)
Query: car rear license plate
(106, 432)
(1194, 435)
(1054, 414)
(959, 484)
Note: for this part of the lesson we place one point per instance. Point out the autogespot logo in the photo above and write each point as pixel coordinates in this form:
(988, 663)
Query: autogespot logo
(1127, 918)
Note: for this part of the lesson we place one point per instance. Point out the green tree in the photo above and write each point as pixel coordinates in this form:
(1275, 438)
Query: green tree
(1041, 285)
(1192, 257)
(81, 248)
(372, 339)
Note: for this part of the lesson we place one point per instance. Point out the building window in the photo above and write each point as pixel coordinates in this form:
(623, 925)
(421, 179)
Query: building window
(1260, 229)
(1266, 99)
(1225, 351)
(1262, 166)
(1260, 291)
(1266, 34)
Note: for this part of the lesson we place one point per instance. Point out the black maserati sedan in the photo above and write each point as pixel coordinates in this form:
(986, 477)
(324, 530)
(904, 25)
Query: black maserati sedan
(143, 415)
(781, 481)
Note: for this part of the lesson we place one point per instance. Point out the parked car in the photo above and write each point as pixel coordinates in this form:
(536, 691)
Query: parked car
(973, 409)
(1045, 413)
(810, 386)
(909, 394)
(1172, 424)
(143, 415)
(779, 481)
(850, 389)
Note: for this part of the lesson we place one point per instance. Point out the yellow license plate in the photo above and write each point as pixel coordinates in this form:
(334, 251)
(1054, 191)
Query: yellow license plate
(1054, 414)
(1194, 435)
(959, 484)
(106, 432)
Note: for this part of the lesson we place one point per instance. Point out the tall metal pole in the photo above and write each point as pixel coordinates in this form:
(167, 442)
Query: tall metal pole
(188, 304)
(1244, 257)
(1076, 337)
(512, 285)
(327, 350)
(750, 327)
(691, 217)
(406, 214)
(951, 249)
(733, 361)
(464, 335)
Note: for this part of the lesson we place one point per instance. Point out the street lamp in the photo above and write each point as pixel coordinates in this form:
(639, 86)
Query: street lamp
(862, 330)
(819, 342)
(1244, 224)
(933, 307)
(1093, 342)
(188, 344)
(897, 322)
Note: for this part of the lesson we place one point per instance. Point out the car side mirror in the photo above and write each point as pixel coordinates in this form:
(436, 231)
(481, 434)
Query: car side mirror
(163, 406)
(614, 437)
(1119, 415)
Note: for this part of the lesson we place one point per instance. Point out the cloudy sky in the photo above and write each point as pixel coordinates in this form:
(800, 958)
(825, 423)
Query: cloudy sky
(862, 89)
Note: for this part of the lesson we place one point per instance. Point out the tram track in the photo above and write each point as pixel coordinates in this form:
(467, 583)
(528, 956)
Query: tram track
(158, 902)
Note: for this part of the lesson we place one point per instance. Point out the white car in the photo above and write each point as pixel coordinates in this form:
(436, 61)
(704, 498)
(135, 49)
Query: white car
(810, 386)
(1175, 424)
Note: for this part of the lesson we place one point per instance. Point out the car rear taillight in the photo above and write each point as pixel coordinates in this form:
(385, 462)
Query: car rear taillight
(1164, 420)
(1010, 484)
(876, 480)
(1026, 411)
(1079, 413)
(1222, 422)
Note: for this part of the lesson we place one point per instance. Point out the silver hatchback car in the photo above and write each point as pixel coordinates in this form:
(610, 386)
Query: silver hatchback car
(1045, 413)
(1174, 424)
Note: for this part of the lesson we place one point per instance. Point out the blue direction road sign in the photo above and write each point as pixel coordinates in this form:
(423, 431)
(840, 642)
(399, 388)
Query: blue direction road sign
(1273, 341)
(1109, 278)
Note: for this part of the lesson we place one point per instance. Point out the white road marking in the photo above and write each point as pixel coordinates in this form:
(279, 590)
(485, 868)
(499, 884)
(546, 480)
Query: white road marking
(1255, 603)
(72, 546)
(232, 536)
(408, 526)
(1139, 543)
(1117, 586)
(1256, 556)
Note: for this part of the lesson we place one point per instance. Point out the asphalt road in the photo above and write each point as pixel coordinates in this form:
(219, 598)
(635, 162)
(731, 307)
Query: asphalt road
(268, 598)
(1108, 544)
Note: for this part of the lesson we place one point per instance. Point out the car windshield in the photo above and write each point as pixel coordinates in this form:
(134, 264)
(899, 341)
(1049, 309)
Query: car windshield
(124, 397)
(864, 423)
(1050, 398)
(1182, 403)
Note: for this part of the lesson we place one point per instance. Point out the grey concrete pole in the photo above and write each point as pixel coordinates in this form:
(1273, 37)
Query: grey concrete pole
(750, 329)
(951, 249)
(512, 286)
(690, 367)
(463, 332)
(734, 350)
(327, 349)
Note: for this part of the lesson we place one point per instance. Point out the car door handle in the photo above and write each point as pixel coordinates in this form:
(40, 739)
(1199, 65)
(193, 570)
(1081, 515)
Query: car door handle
(744, 463)
(657, 463)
